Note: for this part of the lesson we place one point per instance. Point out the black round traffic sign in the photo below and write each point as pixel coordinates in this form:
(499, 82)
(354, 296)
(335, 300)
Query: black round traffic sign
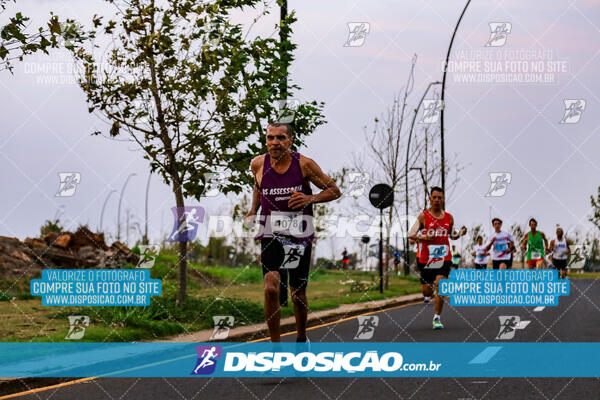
(365, 239)
(381, 196)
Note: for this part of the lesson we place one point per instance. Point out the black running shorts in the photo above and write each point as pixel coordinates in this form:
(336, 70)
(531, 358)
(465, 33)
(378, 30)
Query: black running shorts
(559, 264)
(496, 263)
(428, 275)
(272, 257)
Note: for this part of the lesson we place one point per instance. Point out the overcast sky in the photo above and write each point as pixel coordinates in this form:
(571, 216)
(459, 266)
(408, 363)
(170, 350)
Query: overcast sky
(490, 127)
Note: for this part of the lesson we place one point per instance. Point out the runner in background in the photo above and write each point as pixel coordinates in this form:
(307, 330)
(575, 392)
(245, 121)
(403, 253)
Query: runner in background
(455, 257)
(502, 245)
(345, 259)
(480, 253)
(536, 243)
(433, 229)
(560, 252)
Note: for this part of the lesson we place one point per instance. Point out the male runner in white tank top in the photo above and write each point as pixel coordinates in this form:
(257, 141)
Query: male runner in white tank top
(560, 252)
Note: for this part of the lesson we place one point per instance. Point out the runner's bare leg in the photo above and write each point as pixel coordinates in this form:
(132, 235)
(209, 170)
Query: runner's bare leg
(300, 310)
(439, 300)
(272, 308)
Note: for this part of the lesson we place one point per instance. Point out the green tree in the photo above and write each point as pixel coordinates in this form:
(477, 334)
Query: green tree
(518, 232)
(595, 217)
(191, 89)
(17, 39)
(51, 226)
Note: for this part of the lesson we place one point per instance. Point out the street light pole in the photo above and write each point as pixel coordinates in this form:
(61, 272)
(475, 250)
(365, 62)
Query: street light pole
(103, 208)
(443, 158)
(282, 38)
(145, 238)
(412, 125)
(119, 208)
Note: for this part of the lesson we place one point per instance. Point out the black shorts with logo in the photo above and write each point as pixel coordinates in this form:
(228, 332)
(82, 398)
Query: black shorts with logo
(273, 255)
(428, 275)
(496, 263)
(480, 266)
(559, 264)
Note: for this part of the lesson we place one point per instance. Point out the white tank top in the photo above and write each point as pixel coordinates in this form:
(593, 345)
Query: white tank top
(560, 249)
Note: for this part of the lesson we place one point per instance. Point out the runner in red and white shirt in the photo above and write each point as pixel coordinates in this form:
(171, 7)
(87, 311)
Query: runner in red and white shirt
(432, 230)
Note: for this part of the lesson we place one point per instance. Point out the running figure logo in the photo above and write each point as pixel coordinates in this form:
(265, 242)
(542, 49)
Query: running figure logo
(578, 258)
(573, 110)
(77, 325)
(498, 33)
(222, 325)
(366, 327)
(68, 183)
(187, 220)
(292, 255)
(357, 184)
(358, 33)
(508, 326)
(499, 182)
(148, 253)
(207, 359)
(286, 110)
(213, 183)
(431, 111)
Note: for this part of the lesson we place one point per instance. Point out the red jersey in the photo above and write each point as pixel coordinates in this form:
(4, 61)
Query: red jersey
(438, 248)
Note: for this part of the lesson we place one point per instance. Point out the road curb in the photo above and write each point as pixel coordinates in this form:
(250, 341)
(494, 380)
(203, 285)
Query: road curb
(260, 331)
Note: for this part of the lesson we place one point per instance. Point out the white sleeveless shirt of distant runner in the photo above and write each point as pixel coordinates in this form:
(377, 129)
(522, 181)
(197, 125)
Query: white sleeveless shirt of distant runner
(560, 249)
(501, 244)
(480, 257)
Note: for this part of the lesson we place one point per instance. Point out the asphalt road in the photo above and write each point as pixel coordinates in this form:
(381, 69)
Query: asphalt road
(576, 319)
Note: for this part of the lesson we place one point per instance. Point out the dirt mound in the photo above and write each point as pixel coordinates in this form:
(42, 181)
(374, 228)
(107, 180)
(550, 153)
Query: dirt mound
(24, 260)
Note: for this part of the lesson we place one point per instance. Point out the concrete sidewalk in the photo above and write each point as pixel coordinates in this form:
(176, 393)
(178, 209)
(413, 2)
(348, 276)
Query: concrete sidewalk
(260, 331)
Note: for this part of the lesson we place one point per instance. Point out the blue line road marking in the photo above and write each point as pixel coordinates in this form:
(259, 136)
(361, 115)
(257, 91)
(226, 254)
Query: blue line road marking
(486, 355)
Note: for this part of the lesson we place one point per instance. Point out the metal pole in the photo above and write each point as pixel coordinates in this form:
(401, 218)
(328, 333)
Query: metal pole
(412, 125)
(443, 165)
(103, 208)
(119, 208)
(145, 239)
(381, 250)
(282, 38)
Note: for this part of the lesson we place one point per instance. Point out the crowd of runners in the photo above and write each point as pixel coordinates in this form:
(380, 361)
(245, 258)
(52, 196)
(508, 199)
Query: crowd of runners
(283, 195)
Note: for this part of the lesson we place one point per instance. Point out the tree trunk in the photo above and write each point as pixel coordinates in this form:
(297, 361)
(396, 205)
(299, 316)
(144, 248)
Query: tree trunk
(182, 259)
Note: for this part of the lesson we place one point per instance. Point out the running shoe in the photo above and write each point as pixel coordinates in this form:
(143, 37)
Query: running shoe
(426, 300)
(437, 324)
